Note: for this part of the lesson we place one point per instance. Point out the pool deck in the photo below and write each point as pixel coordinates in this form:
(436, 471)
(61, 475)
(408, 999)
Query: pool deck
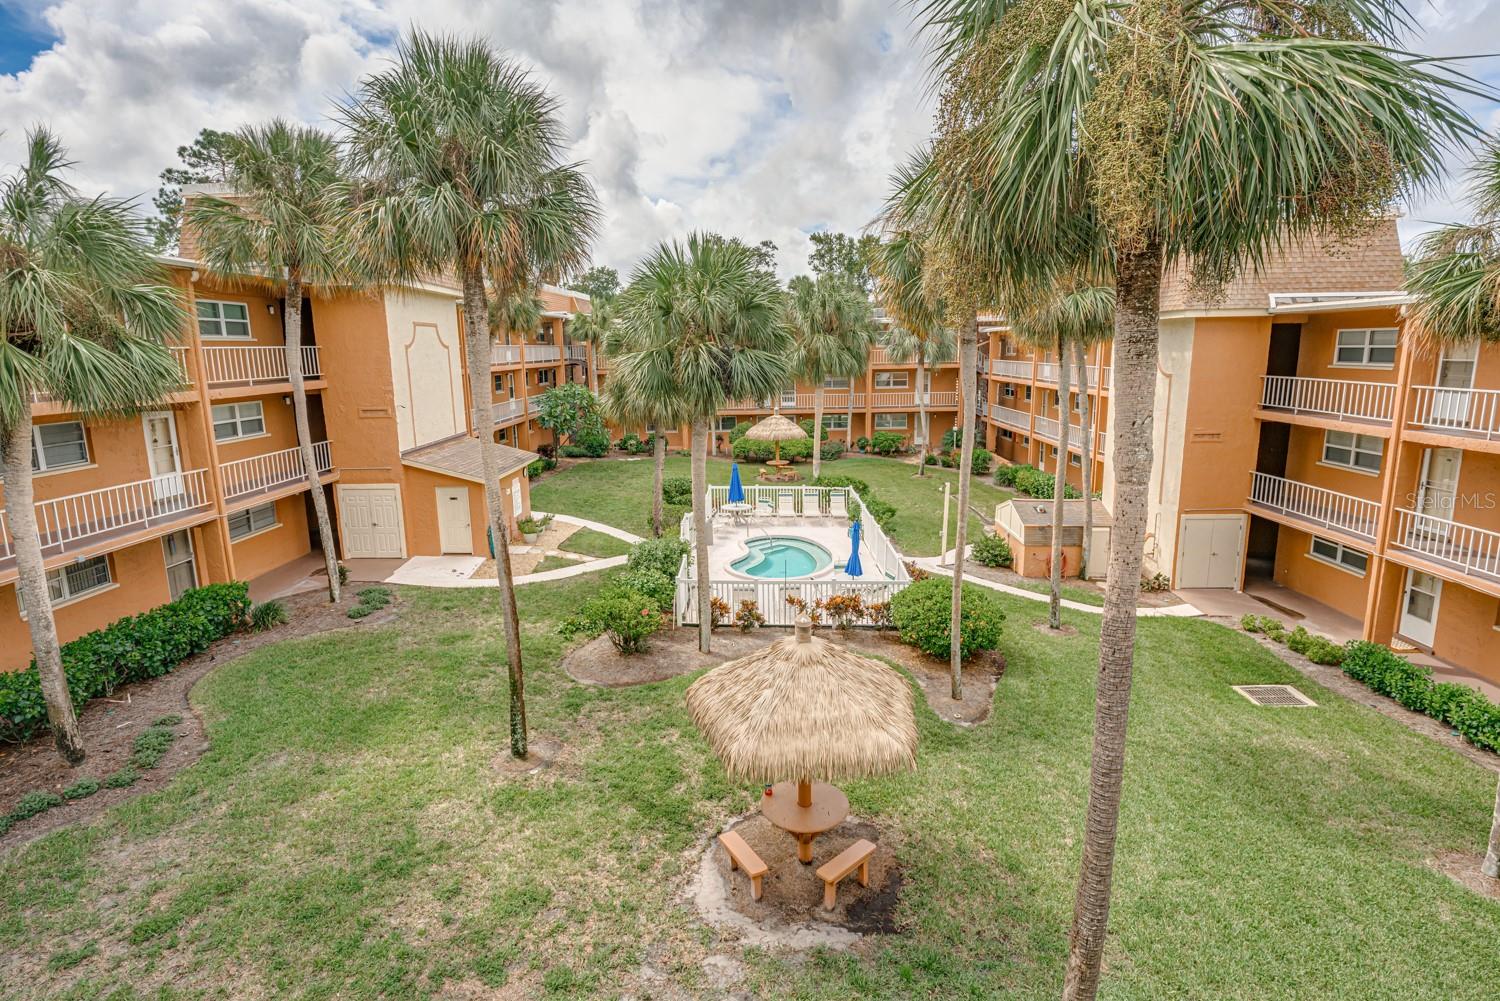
(729, 541)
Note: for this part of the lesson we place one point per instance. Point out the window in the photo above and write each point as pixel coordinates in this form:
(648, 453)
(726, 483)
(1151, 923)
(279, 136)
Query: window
(58, 446)
(789, 397)
(1007, 434)
(238, 420)
(1028, 394)
(251, 520)
(500, 385)
(890, 422)
(177, 551)
(544, 376)
(1375, 348)
(1339, 555)
(720, 424)
(77, 579)
(891, 380)
(1074, 459)
(836, 383)
(836, 422)
(1009, 392)
(1077, 403)
(1360, 452)
(1008, 348)
(1052, 451)
(223, 319)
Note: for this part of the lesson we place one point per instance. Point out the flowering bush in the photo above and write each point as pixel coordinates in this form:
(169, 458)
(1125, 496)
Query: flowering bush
(718, 611)
(627, 617)
(843, 609)
(812, 611)
(748, 616)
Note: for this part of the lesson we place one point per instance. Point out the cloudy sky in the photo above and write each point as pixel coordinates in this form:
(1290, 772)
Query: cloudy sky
(759, 118)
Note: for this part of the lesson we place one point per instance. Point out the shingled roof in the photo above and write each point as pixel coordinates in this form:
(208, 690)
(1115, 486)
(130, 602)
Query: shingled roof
(459, 457)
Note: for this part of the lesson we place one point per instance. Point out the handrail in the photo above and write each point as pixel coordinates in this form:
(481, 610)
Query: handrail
(75, 519)
(271, 470)
(1474, 551)
(1343, 399)
(1319, 505)
(253, 364)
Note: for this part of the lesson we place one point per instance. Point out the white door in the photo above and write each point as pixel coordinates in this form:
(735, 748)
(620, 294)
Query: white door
(1098, 554)
(1419, 607)
(1209, 553)
(1438, 488)
(454, 531)
(1455, 380)
(371, 521)
(177, 552)
(164, 458)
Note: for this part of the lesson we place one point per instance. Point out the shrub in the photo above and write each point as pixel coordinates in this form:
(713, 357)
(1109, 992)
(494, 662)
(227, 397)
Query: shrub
(371, 600)
(749, 450)
(1156, 583)
(1475, 717)
(1250, 623)
(953, 439)
(840, 480)
(862, 443)
(134, 648)
(539, 466)
(343, 575)
(677, 490)
(887, 443)
(843, 609)
(921, 611)
(930, 460)
(915, 572)
(35, 802)
(718, 611)
(267, 615)
(831, 448)
(813, 611)
(1005, 476)
(992, 550)
(879, 614)
(738, 431)
(81, 788)
(948, 461)
(663, 555)
(592, 442)
(806, 424)
(1318, 649)
(633, 444)
(983, 459)
(150, 746)
(627, 617)
(748, 616)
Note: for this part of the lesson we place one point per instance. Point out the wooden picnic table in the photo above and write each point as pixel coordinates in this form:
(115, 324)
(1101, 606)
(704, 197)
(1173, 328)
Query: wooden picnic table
(805, 810)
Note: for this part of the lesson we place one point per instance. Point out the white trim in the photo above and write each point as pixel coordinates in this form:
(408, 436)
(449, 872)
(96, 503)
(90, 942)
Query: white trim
(233, 338)
(1367, 347)
(275, 524)
(41, 454)
(37, 474)
(1353, 449)
(342, 488)
(1336, 564)
(260, 409)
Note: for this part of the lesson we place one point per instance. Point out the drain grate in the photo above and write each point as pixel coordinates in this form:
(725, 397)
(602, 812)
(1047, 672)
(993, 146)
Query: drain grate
(1275, 695)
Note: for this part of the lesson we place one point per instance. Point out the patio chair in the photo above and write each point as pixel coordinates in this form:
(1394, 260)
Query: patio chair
(838, 504)
(812, 501)
(763, 506)
(786, 505)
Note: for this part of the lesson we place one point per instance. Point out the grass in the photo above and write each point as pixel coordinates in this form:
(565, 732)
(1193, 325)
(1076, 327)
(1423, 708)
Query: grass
(1081, 595)
(347, 834)
(588, 542)
(553, 563)
(619, 494)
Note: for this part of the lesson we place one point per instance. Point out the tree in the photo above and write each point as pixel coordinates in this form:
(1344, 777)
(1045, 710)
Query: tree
(85, 314)
(459, 153)
(568, 409)
(833, 325)
(1138, 133)
(841, 254)
(701, 324)
(593, 328)
(203, 162)
(518, 312)
(917, 331)
(282, 228)
(1455, 280)
(598, 282)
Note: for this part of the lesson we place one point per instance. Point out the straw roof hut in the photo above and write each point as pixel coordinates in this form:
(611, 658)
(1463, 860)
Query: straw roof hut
(776, 428)
(804, 708)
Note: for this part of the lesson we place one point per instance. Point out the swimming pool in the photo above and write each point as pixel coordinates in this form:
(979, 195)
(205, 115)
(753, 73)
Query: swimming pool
(781, 556)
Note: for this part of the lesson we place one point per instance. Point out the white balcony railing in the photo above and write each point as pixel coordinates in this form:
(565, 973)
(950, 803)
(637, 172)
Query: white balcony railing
(1106, 376)
(1474, 551)
(1472, 413)
(1011, 417)
(1047, 428)
(262, 474)
(250, 365)
(1318, 505)
(578, 352)
(71, 522)
(542, 353)
(1341, 399)
(1047, 372)
(1012, 369)
(505, 354)
(507, 411)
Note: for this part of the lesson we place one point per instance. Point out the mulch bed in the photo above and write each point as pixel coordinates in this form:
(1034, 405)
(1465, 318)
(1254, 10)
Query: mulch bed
(674, 652)
(110, 725)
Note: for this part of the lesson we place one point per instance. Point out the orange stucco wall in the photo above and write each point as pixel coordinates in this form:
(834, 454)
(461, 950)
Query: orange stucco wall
(1221, 440)
(1296, 569)
(1466, 633)
(256, 554)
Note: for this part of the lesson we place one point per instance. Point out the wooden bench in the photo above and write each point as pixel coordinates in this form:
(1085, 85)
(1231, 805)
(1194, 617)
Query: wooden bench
(742, 856)
(856, 856)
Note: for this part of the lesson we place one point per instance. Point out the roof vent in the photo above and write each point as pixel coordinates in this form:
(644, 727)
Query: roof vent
(1275, 695)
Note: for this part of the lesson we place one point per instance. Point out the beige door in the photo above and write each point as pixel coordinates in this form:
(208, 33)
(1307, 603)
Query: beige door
(371, 521)
(164, 458)
(1419, 607)
(1209, 551)
(455, 534)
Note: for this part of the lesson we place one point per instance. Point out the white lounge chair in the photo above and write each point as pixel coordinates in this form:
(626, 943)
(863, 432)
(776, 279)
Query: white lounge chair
(786, 505)
(763, 506)
(812, 501)
(837, 506)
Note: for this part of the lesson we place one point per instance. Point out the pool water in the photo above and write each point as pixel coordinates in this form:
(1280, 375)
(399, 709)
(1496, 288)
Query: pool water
(779, 556)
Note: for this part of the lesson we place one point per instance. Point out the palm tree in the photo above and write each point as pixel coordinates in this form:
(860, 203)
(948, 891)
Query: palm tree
(283, 228)
(84, 316)
(1138, 133)
(917, 332)
(460, 155)
(592, 328)
(1456, 283)
(627, 410)
(701, 324)
(834, 325)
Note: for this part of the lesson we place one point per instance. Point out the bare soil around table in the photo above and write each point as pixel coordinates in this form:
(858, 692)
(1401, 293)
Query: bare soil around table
(110, 725)
(674, 652)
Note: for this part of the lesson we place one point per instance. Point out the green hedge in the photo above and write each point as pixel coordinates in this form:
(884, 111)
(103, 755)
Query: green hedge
(1032, 482)
(1475, 717)
(922, 612)
(134, 648)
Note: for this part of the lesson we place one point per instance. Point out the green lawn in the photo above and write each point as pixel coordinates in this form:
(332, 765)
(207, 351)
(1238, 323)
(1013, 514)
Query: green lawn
(618, 493)
(587, 542)
(348, 835)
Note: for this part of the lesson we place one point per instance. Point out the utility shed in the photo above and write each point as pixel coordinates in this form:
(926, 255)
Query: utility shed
(1026, 524)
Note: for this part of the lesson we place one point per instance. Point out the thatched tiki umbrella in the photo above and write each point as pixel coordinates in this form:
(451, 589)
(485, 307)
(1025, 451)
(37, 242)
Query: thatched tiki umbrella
(804, 709)
(777, 429)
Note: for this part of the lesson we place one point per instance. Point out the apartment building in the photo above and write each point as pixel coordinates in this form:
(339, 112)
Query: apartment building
(210, 486)
(1309, 439)
(524, 366)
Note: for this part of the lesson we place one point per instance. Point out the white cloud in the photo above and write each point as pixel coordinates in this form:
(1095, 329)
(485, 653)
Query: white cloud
(757, 118)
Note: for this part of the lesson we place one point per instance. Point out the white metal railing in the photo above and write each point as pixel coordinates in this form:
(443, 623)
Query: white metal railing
(541, 353)
(1472, 550)
(1319, 505)
(1345, 399)
(505, 354)
(838, 399)
(982, 407)
(1047, 428)
(271, 471)
(1011, 417)
(1012, 369)
(250, 365)
(1106, 376)
(885, 572)
(880, 356)
(1469, 412)
(578, 352)
(69, 522)
(1075, 440)
(508, 410)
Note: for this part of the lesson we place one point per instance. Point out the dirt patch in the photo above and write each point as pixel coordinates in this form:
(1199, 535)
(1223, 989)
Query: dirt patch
(110, 725)
(1144, 599)
(1045, 628)
(1463, 869)
(541, 753)
(524, 557)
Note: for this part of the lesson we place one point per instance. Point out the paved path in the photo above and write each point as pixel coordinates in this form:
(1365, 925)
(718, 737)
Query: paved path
(455, 571)
(931, 564)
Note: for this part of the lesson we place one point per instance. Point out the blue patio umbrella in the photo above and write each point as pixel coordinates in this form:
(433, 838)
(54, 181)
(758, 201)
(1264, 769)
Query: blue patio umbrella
(736, 489)
(853, 568)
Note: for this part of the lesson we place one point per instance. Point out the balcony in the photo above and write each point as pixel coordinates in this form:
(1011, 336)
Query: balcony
(578, 352)
(1012, 369)
(1463, 413)
(1047, 372)
(255, 365)
(1469, 550)
(505, 354)
(1047, 428)
(179, 355)
(1336, 399)
(1315, 507)
(509, 411)
(266, 474)
(542, 354)
(1011, 417)
(80, 521)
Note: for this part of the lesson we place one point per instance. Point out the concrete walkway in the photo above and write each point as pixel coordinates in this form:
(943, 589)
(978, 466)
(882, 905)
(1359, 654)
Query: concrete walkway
(456, 571)
(932, 565)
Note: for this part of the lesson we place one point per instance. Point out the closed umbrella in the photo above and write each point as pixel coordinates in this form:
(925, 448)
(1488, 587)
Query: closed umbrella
(736, 489)
(853, 567)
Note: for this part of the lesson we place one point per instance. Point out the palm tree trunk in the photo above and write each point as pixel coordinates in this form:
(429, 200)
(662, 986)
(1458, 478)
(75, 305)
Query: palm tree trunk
(922, 414)
(1137, 286)
(31, 585)
(1059, 485)
(593, 363)
(292, 334)
(482, 419)
(818, 430)
(849, 431)
(700, 531)
(659, 455)
(1087, 453)
(1491, 865)
(968, 348)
